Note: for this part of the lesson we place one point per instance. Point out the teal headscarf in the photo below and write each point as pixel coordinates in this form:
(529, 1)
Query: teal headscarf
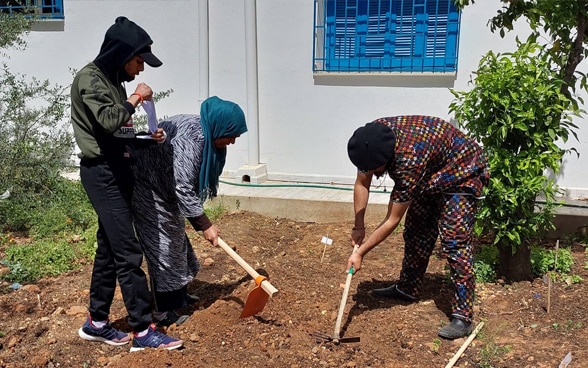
(219, 119)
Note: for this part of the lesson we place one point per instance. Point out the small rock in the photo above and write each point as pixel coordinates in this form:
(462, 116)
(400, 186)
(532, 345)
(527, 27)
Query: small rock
(4, 270)
(21, 308)
(77, 310)
(41, 359)
(208, 262)
(31, 288)
(12, 342)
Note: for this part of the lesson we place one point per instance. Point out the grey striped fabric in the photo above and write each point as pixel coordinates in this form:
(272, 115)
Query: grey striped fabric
(166, 192)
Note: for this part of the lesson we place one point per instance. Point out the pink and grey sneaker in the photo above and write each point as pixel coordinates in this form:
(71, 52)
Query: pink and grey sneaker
(106, 334)
(155, 339)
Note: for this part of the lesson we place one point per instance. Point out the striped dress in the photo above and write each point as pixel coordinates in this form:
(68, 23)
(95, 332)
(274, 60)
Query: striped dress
(166, 192)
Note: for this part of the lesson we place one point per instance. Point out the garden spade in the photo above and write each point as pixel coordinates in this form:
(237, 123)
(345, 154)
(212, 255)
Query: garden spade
(258, 297)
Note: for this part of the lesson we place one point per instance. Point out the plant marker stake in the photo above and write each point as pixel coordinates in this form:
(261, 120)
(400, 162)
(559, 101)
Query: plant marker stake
(549, 279)
(548, 293)
(566, 361)
(464, 346)
(326, 241)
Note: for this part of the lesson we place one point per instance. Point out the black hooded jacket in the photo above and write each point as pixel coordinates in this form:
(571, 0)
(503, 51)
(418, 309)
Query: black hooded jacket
(100, 114)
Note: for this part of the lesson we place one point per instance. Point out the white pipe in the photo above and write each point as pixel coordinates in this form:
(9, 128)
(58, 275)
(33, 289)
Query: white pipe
(251, 79)
(203, 72)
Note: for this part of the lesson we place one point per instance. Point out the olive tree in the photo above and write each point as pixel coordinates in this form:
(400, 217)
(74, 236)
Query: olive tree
(35, 134)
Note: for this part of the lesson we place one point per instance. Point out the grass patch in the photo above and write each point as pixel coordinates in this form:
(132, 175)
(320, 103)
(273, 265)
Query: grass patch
(486, 259)
(43, 258)
(491, 354)
(61, 231)
(214, 212)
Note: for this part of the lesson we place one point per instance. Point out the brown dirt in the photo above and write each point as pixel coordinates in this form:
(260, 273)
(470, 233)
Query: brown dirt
(38, 323)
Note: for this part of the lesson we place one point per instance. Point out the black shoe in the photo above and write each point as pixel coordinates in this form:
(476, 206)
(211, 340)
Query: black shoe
(393, 292)
(456, 329)
(172, 317)
(192, 299)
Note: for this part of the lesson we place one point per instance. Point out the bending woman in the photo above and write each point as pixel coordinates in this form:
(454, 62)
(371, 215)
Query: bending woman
(173, 180)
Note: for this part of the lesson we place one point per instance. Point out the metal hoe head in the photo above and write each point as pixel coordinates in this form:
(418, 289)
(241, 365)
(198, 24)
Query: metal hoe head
(323, 337)
(256, 300)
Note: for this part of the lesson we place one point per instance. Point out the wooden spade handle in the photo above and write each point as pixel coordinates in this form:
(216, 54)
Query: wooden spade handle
(265, 284)
(337, 333)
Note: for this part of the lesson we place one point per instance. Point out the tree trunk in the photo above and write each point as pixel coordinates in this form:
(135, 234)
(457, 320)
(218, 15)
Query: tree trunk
(515, 266)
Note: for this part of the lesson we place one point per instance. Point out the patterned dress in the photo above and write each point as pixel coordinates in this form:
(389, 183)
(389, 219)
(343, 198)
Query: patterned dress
(166, 192)
(442, 173)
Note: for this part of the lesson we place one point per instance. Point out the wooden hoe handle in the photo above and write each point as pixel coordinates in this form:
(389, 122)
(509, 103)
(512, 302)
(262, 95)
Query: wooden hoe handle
(265, 284)
(337, 333)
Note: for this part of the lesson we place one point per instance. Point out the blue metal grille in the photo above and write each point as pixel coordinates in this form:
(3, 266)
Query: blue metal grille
(47, 9)
(386, 35)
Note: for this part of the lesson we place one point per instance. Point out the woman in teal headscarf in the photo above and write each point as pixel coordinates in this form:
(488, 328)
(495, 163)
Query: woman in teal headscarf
(222, 122)
(173, 180)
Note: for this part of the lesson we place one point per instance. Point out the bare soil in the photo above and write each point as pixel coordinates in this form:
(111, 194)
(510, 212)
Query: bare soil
(38, 323)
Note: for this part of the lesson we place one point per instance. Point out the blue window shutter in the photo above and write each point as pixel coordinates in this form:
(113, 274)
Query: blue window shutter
(47, 9)
(452, 38)
(391, 35)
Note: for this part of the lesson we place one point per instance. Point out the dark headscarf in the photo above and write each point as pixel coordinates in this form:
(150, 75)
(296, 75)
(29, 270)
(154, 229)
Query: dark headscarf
(219, 119)
(371, 146)
(123, 40)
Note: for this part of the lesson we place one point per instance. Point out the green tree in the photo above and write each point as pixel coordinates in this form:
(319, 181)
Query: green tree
(517, 111)
(564, 22)
(13, 29)
(521, 105)
(35, 134)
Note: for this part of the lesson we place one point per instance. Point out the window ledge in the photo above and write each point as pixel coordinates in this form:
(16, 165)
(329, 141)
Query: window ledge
(49, 25)
(385, 79)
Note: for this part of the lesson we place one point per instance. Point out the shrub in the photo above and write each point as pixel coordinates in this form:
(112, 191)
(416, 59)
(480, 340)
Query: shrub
(63, 235)
(30, 262)
(543, 260)
(66, 210)
(36, 145)
(485, 263)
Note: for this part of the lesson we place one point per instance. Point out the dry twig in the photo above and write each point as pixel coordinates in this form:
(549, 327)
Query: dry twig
(464, 346)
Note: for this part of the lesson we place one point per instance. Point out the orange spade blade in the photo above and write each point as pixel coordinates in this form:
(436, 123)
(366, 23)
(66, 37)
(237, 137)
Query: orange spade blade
(256, 301)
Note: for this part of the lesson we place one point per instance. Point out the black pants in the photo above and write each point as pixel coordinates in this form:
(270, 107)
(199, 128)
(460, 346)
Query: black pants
(166, 301)
(109, 187)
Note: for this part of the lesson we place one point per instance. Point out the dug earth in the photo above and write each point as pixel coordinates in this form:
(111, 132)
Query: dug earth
(38, 323)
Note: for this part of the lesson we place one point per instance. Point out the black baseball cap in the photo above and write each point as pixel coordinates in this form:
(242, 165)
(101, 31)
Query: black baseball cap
(151, 60)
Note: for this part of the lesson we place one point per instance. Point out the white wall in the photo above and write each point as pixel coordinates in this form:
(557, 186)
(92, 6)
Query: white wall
(303, 126)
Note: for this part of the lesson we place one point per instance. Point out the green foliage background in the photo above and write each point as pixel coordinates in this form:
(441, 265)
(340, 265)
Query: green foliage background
(53, 213)
(516, 110)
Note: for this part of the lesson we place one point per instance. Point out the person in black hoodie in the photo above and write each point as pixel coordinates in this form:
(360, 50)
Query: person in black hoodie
(101, 115)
